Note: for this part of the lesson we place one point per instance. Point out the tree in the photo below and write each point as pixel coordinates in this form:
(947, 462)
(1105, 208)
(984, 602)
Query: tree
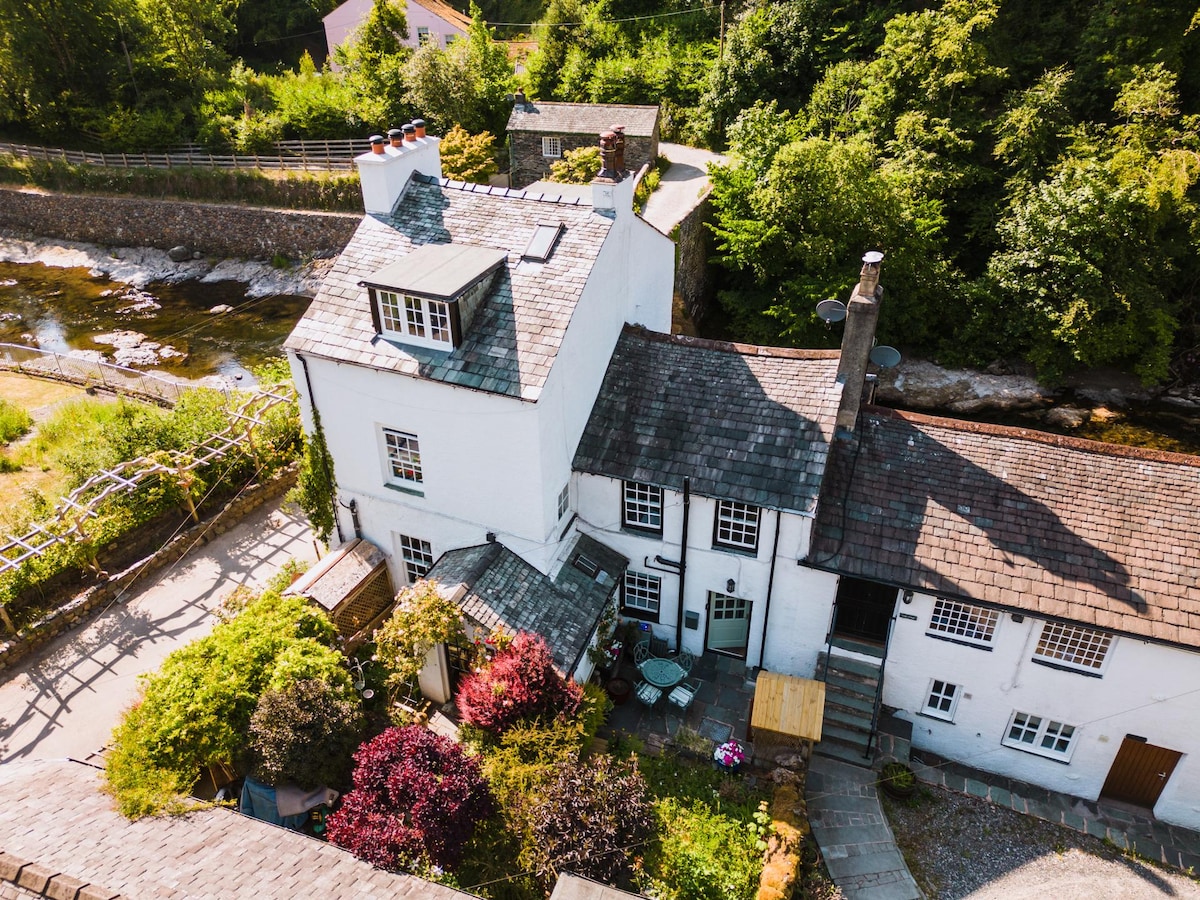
(423, 618)
(519, 684)
(305, 733)
(579, 166)
(417, 799)
(468, 157)
(593, 818)
(373, 62)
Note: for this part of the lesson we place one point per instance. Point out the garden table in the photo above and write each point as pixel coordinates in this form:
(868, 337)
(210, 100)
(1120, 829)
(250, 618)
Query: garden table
(662, 673)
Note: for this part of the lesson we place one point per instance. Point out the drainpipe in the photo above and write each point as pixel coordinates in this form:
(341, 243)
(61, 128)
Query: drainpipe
(312, 403)
(687, 502)
(762, 647)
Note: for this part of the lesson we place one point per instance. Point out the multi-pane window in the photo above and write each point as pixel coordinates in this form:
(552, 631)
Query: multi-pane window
(974, 624)
(417, 317)
(942, 699)
(564, 501)
(552, 147)
(736, 525)
(417, 555)
(1039, 735)
(404, 456)
(1073, 645)
(642, 507)
(642, 593)
(422, 35)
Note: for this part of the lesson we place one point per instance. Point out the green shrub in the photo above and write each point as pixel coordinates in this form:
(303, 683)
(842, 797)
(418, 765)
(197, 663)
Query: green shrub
(196, 710)
(305, 733)
(14, 422)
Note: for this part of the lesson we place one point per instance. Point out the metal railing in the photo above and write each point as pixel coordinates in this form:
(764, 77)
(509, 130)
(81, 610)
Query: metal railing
(315, 156)
(92, 373)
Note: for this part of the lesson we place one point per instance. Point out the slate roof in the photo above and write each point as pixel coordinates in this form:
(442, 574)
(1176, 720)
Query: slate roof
(1060, 527)
(516, 333)
(331, 580)
(745, 423)
(582, 118)
(57, 824)
(503, 591)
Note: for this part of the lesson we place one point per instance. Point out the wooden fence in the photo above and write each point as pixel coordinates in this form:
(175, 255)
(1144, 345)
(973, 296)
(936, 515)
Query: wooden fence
(91, 373)
(306, 156)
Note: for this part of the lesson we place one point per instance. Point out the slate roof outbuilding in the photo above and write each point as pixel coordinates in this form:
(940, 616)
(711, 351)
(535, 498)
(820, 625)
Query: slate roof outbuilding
(55, 820)
(505, 592)
(1062, 528)
(744, 423)
(515, 335)
(582, 118)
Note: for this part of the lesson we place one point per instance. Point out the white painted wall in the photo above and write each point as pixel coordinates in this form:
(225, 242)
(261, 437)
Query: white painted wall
(1146, 689)
(800, 597)
(341, 23)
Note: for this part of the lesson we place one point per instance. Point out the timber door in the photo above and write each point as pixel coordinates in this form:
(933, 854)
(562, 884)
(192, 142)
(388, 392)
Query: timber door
(1140, 772)
(728, 624)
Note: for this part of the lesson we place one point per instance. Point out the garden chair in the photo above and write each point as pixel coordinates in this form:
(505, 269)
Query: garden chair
(683, 695)
(641, 651)
(648, 693)
(686, 660)
(658, 646)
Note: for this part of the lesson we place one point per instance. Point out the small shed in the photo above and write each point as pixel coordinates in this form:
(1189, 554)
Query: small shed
(352, 585)
(541, 132)
(786, 712)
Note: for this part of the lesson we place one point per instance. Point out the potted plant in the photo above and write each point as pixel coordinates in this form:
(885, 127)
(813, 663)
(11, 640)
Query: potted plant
(897, 780)
(729, 756)
(619, 690)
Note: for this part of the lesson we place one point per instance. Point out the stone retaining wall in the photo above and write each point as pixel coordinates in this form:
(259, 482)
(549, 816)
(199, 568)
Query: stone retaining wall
(239, 232)
(89, 601)
(695, 277)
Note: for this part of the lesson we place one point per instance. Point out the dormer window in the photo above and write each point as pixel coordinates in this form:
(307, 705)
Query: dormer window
(429, 298)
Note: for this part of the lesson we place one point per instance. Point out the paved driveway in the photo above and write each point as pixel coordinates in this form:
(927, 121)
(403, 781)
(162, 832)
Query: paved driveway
(682, 187)
(65, 701)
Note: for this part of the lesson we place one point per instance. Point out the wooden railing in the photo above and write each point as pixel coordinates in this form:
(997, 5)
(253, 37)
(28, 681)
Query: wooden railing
(315, 156)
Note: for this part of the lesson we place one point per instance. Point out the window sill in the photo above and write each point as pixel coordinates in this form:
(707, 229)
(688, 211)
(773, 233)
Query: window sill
(1034, 751)
(404, 489)
(751, 553)
(641, 614)
(1065, 667)
(925, 714)
(960, 641)
(638, 531)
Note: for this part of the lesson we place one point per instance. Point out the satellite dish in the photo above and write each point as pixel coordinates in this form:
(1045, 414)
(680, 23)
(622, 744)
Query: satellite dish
(872, 256)
(885, 357)
(831, 310)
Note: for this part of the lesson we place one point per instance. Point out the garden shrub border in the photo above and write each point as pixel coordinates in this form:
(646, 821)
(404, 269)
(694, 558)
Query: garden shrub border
(84, 604)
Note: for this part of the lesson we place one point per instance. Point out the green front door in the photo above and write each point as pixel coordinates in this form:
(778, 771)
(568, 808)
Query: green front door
(728, 624)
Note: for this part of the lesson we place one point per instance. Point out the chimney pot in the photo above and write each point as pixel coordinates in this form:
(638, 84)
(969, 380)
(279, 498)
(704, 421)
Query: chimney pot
(419, 125)
(410, 133)
(377, 142)
(618, 132)
(608, 156)
(395, 135)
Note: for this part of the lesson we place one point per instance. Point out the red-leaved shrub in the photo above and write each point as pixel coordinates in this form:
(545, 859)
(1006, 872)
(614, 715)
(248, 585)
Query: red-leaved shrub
(417, 799)
(519, 684)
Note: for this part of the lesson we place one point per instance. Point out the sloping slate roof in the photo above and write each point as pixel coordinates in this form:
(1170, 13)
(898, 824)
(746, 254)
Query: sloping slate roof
(744, 423)
(582, 118)
(54, 814)
(1061, 527)
(505, 592)
(516, 333)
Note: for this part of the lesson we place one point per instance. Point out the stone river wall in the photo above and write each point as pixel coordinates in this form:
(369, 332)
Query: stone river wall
(239, 232)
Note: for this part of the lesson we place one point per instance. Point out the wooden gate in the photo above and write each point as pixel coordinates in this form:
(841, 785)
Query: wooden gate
(1140, 772)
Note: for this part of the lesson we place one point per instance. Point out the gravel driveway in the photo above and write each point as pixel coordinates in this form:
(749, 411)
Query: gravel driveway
(959, 846)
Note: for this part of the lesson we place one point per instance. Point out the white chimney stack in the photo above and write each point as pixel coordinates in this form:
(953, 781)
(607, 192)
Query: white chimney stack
(383, 175)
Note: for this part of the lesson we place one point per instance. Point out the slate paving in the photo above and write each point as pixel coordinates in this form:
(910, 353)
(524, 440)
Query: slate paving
(1126, 828)
(852, 831)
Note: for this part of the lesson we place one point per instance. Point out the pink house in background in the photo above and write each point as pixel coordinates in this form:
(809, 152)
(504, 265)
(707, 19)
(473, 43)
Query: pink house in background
(428, 20)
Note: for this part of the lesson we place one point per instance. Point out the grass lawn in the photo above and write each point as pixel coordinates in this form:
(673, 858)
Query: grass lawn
(38, 456)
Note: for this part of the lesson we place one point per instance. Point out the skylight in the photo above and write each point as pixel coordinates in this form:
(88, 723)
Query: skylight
(541, 244)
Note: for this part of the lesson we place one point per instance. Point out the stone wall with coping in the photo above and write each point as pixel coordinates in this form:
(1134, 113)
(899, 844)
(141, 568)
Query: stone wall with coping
(87, 602)
(211, 229)
(695, 276)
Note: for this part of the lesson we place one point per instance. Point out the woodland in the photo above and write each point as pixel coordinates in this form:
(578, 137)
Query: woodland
(1029, 168)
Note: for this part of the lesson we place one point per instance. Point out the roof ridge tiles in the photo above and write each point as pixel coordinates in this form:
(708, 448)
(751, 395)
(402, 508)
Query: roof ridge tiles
(1066, 442)
(684, 340)
(470, 187)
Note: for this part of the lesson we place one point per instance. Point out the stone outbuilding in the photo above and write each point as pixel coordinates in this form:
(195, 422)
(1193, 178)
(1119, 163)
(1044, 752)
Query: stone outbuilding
(541, 132)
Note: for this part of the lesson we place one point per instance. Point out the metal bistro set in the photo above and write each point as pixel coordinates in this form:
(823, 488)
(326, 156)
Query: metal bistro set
(665, 675)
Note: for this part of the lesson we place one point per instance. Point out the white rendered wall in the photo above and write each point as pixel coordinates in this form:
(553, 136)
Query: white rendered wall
(800, 597)
(341, 23)
(1146, 689)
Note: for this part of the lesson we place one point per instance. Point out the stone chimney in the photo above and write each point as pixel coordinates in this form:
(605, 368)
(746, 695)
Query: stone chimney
(384, 172)
(858, 339)
(519, 100)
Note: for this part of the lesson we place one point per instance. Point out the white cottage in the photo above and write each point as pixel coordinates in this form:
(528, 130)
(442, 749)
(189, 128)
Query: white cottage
(497, 386)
